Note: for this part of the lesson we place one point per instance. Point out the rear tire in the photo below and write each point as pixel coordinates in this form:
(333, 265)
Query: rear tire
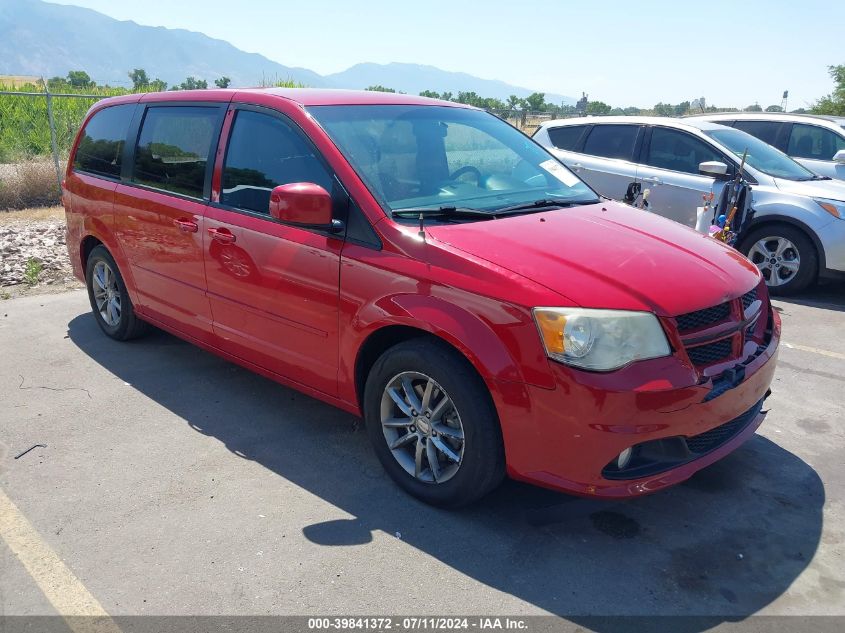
(785, 256)
(110, 302)
(446, 440)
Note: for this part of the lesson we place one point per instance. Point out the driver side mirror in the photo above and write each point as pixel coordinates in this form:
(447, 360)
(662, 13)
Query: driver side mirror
(839, 157)
(305, 204)
(715, 169)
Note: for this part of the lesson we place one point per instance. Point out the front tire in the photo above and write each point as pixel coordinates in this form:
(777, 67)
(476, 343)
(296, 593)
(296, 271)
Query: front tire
(110, 302)
(785, 256)
(433, 425)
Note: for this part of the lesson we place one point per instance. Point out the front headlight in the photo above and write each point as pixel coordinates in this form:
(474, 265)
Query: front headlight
(600, 340)
(836, 208)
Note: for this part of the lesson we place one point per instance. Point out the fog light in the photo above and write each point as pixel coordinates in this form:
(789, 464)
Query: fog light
(624, 458)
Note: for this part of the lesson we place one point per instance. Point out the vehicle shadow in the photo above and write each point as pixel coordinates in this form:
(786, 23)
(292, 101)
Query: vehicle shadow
(723, 545)
(824, 295)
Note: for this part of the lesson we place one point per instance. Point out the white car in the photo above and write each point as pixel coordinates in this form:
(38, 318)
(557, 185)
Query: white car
(797, 233)
(817, 142)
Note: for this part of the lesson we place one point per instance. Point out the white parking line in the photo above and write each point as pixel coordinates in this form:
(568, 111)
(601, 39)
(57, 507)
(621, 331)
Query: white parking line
(814, 350)
(58, 584)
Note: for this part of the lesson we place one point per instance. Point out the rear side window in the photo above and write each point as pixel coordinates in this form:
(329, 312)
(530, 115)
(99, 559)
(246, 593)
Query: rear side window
(812, 141)
(678, 151)
(612, 141)
(100, 149)
(265, 152)
(174, 147)
(566, 137)
(766, 131)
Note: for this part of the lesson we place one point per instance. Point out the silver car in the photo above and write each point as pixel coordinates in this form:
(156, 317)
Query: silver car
(817, 142)
(797, 233)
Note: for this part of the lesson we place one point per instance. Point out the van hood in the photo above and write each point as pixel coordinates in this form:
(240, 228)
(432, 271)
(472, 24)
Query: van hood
(609, 255)
(832, 189)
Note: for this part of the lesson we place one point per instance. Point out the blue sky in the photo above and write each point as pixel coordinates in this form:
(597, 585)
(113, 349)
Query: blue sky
(623, 53)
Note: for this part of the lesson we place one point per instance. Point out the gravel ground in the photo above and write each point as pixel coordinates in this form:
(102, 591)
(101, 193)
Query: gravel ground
(33, 253)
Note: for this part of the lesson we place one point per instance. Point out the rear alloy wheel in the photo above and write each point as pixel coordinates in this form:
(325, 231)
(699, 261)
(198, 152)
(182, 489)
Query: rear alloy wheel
(432, 423)
(109, 299)
(785, 256)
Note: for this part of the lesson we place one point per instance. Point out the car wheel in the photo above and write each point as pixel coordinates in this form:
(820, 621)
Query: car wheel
(785, 256)
(433, 424)
(110, 302)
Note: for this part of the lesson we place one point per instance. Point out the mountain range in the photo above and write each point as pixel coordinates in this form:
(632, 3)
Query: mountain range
(43, 39)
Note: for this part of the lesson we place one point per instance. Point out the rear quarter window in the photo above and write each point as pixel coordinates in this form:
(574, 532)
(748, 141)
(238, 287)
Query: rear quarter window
(174, 148)
(766, 131)
(100, 149)
(566, 137)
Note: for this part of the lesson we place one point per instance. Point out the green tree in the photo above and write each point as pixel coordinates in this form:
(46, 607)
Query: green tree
(139, 78)
(430, 94)
(446, 96)
(192, 83)
(379, 88)
(79, 79)
(753, 108)
(774, 108)
(598, 107)
(223, 82)
(834, 103)
(57, 84)
(536, 102)
(514, 102)
(664, 109)
(157, 85)
(469, 98)
(682, 108)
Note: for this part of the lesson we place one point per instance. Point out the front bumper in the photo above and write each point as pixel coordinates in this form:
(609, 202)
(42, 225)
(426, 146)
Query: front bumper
(832, 238)
(564, 438)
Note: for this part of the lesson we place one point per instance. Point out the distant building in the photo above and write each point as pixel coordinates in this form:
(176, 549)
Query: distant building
(581, 105)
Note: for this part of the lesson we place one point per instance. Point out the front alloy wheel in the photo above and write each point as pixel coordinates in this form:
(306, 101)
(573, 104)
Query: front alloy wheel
(785, 255)
(432, 423)
(777, 258)
(422, 427)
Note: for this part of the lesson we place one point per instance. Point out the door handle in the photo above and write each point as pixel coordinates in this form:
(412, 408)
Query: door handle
(653, 181)
(577, 166)
(186, 226)
(224, 236)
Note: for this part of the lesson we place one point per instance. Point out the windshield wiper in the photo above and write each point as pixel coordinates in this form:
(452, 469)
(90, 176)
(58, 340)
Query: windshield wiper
(446, 212)
(539, 205)
(815, 177)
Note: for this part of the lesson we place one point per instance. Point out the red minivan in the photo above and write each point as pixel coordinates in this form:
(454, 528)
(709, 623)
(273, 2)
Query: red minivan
(427, 266)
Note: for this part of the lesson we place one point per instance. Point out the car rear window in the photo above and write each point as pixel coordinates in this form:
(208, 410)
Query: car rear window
(174, 147)
(567, 136)
(612, 141)
(265, 152)
(100, 149)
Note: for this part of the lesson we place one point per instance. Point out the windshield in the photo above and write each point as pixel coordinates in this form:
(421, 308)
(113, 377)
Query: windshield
(761, 156)
(414, 157)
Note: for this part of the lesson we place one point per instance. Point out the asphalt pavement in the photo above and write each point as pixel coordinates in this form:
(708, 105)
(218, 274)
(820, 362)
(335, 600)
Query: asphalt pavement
(171, 482)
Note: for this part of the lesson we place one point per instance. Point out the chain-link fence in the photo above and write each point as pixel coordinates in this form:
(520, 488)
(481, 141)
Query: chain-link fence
(37, 130)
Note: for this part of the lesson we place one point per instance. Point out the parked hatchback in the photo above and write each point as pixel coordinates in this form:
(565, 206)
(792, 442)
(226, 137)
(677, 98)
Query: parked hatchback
(427, 266)
(797, 233)
(817, 142)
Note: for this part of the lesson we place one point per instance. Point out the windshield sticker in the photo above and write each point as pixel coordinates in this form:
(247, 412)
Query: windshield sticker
(560, 172)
